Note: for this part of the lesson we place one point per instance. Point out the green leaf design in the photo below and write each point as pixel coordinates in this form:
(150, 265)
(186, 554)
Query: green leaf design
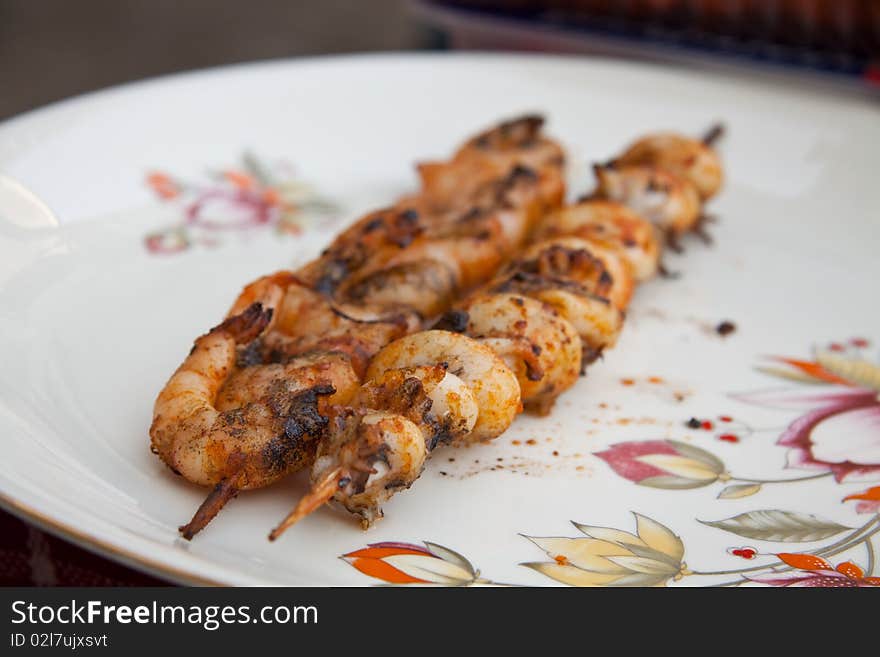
(450, 556)
(255, 168)
(738, 490)
(776, 525)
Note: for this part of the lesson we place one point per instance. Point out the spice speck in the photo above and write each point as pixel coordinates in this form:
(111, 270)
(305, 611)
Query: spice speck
(725, 328)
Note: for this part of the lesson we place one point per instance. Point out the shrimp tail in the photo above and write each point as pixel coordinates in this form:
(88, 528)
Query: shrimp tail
(216, 500)
(700, 231)
(243, 328)
(672, 242)
(247, 325)
(714, 133)
(320, 494)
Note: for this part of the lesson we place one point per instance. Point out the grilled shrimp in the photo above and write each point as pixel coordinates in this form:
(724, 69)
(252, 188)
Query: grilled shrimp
(473, 248)
(434, 386)
(218, 425)
(308, 321)
(426, 287)
(440, 403)
(611, 225)
(451, 251)
(368, 457)
(601, 270)
(268, 291)
(576, 284)
(670, 202)
(493, 385)
(371, 454)
(493, 152)
(541, 348)
(692, 159)
(384, 277)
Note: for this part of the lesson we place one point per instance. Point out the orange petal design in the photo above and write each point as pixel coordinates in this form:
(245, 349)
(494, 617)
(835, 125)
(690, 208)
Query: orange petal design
(873, 581)
(271, 196)
(384, 571)
(805, 561)
(162, 184)
(158, 178)
(850, 569)
(812, 369)
(380, 552)
(870, 494)
(239, 179)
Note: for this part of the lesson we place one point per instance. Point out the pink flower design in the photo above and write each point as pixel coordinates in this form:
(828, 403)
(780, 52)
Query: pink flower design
(813, 571)
(840, 431)
(234, 200)
(168, 241)
(220, 209)
(663, 463)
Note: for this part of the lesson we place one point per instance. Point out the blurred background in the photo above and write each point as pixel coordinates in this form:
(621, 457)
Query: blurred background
(52, 49)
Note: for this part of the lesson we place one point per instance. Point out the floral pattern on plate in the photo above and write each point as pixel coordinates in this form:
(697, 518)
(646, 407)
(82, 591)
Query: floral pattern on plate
(251, 195)
(405, 563)
(837, 436)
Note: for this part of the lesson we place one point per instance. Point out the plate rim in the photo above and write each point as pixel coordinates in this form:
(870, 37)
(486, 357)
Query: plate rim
(103, 547)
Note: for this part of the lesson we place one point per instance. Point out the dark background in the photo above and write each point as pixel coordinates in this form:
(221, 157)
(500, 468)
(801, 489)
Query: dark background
(52, 49)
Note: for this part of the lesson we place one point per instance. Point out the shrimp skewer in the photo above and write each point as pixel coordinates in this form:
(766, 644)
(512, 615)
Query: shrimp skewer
(440, 387)
(319, 326)
(665, 177)
(610, 225)
(244, 429)
(692, 159)
(518, 342)
(545, 317)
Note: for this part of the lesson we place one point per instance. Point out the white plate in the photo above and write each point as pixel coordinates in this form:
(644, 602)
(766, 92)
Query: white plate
(92, 323)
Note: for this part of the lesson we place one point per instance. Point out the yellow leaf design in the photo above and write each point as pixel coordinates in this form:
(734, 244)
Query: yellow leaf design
(610, 535)
(571, 575)
(586, 553)
(855, 370)
(645, 565)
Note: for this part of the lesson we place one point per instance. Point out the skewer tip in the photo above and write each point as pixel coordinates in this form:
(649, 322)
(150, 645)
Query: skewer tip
(320, 494)
(713, 134)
